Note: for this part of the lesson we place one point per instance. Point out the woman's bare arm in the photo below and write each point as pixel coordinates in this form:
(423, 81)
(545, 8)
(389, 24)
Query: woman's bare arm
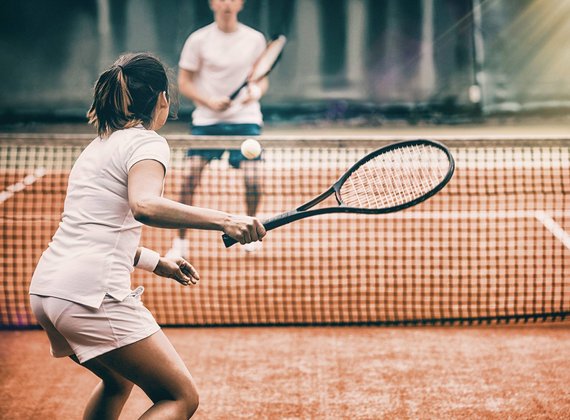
(149, 207)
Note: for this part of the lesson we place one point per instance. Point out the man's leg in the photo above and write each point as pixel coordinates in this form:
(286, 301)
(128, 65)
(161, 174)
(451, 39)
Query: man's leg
(196, 165)
(252, 175)
(253, 185)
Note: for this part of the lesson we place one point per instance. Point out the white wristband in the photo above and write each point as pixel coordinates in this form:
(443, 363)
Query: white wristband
(148, 260)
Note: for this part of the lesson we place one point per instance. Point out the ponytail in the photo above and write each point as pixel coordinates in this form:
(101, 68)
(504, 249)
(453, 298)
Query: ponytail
(126, 94)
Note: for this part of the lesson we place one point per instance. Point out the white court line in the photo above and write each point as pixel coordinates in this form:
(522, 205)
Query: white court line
(554, 228)
(457, 215)
(540, 215)
(28, 180)
(546, 218)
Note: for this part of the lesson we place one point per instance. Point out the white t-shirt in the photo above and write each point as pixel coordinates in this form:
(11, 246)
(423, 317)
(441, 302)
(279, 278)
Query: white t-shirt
(222, 61)
(92, 252)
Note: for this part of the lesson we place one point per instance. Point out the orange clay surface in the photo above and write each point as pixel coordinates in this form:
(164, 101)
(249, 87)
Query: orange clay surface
(471, 372)
(487, 371)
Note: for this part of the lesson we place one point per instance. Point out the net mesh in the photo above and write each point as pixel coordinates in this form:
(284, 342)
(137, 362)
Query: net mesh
(493, 245)
(396, 177)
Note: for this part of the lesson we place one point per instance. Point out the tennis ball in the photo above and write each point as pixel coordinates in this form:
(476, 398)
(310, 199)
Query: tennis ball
(250, 148)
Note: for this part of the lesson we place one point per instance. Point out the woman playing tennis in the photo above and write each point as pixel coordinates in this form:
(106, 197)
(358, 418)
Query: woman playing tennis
(80, 291)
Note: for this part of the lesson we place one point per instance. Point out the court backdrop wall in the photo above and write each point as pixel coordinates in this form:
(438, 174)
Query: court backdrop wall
(342, 55)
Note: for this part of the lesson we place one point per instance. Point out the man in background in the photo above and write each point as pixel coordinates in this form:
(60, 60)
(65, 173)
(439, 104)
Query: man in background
(214, 61)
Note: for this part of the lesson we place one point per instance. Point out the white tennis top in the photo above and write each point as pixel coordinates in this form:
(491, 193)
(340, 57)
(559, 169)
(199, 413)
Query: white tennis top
(221, 62)
(92, 252)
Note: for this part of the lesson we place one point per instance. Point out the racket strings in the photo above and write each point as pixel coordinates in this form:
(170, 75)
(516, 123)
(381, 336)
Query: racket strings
(395, 178)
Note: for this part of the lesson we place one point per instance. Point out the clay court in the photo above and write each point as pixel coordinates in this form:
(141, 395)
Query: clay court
(452, 309)
(469, 372)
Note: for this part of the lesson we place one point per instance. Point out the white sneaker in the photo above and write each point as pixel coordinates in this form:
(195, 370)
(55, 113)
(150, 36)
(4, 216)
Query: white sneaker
(179, 248)
(253, 246)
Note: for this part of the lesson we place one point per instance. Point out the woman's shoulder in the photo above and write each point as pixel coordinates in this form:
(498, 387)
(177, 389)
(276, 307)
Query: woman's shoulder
(137, 135)
(142, 144)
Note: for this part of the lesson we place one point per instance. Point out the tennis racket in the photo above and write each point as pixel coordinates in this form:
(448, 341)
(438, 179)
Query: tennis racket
(265, 63)
(387, 180)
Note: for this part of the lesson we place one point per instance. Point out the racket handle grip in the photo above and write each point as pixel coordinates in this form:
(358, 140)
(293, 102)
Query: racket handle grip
(268, 224)
(280, 220)
(238, 90)
(228, 240)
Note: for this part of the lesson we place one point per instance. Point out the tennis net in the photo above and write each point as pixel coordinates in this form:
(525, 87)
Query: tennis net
(493, 246)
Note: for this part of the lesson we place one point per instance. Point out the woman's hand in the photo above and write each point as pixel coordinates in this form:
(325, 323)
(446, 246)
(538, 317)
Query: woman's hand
(244, 229)
(178, 269)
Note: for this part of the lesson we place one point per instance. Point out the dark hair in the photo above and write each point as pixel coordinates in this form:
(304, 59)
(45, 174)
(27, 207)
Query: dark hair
(126, 94)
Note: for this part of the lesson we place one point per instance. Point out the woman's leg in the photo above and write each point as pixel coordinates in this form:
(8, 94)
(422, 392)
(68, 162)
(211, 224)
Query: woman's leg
(109, 396)
(154, 365)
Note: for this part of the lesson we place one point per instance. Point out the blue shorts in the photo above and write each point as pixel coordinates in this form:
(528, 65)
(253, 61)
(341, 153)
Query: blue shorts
(224, 130)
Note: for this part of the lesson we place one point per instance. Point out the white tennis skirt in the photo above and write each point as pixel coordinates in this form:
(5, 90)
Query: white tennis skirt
(88, 332)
